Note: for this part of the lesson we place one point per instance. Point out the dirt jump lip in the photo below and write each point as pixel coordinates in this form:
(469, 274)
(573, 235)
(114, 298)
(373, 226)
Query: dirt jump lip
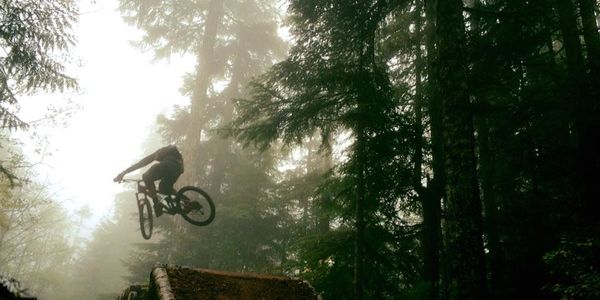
(170, 282)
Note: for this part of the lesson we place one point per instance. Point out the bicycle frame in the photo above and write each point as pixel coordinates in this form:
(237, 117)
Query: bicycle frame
(192, 203)
(169, 202)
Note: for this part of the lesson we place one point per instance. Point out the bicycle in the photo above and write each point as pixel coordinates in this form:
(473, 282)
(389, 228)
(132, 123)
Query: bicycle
(192, 203)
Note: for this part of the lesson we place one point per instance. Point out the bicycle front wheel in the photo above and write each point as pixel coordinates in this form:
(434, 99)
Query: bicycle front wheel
(196, 206)
(145, 213)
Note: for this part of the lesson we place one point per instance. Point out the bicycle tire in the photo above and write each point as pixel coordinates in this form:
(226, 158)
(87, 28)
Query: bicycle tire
(206, 212)
(145, 214)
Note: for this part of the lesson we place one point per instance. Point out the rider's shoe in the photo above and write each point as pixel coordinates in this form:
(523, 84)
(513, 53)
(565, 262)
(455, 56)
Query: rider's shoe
(158, 208)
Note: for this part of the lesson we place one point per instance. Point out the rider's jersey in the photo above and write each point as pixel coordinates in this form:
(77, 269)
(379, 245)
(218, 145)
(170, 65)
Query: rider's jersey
(168, 154)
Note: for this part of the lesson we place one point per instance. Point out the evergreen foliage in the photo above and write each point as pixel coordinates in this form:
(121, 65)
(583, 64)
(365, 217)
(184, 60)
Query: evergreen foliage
(34, 37)
(392, 136)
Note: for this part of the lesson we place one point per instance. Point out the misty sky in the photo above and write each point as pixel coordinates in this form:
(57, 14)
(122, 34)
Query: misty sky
(122, 92)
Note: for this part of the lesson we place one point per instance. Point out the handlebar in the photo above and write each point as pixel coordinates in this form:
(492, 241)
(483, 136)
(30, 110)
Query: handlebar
(131, 180)
(139, 182)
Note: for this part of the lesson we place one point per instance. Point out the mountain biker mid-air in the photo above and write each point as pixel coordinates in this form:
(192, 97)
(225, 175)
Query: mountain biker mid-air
(167, 170)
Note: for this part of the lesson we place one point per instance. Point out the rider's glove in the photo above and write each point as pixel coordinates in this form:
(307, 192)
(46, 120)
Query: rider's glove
(119, 177)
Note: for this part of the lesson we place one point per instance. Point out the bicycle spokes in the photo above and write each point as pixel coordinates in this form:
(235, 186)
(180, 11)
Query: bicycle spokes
(196, 206)
(145, 216)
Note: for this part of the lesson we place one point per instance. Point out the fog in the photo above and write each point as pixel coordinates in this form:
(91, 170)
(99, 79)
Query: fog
(79, 139)
(105, 122)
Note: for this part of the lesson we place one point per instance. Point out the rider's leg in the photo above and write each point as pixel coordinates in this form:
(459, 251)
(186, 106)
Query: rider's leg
(155, 172)
(150, 187)
(171, 172)
(166, 183)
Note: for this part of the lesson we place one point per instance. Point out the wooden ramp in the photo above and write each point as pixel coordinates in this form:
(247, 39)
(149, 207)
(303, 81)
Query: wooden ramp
(175, 283)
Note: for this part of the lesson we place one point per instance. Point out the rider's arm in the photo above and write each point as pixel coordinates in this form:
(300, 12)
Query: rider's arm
(142, 163)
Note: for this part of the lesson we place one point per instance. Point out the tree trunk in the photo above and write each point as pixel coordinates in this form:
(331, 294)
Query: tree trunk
(592, 108)
(365, 93)
(361, 190)
(323, 218)
(202, 82)
(489, 202)
(591, 36)
(359, 214)
(432, 203)
(586, 160)
(220, 162)
(486, 163)
(429, 198)
(463, 221)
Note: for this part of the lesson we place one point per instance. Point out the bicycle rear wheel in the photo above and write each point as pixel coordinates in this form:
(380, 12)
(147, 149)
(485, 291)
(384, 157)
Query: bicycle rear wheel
(196, 206)
(145, 213)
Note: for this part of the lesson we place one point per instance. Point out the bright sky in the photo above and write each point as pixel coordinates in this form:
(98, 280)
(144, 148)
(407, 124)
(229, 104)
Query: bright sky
(122, 93)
